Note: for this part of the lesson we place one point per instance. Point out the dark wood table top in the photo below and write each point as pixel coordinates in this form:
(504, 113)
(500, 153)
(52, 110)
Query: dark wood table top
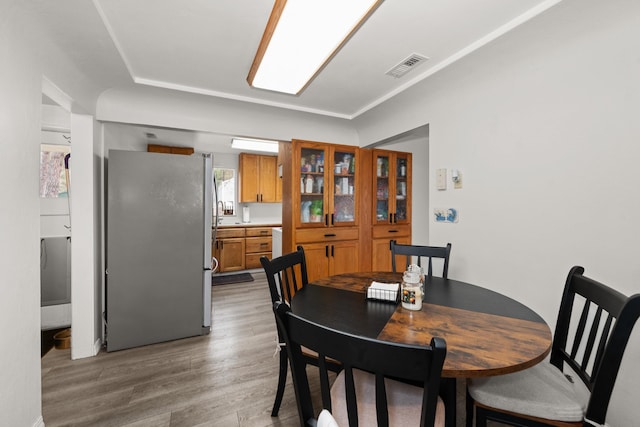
(486, 332)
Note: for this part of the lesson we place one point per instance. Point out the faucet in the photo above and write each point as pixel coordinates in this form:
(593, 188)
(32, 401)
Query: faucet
(220, 211)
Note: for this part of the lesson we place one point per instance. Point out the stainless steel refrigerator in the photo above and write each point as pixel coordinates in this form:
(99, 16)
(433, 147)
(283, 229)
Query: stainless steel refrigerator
(159, 217)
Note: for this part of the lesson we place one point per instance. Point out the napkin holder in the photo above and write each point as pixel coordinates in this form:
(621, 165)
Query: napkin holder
(381, 292)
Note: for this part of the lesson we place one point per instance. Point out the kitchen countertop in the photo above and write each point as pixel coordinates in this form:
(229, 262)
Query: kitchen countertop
(250, 224)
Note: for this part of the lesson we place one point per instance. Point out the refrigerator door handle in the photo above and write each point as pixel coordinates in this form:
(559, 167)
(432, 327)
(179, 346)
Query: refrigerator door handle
(208, 209)
(206, 297)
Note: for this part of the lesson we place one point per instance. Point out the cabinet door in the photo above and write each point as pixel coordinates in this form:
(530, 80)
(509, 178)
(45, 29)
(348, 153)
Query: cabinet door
(392, 187)
(249, 166)
(383, 187)
(267, 178)
(343, 208)
(344, 257)
(381, 254)
(402, 188)
(317, 260)
(328, 180)
(310, 186)
(231, 254)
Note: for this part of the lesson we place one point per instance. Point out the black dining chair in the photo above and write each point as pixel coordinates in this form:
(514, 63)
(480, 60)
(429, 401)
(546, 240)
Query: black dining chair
(592, 330)
(286, 275)
(363, 393)
(420, 252)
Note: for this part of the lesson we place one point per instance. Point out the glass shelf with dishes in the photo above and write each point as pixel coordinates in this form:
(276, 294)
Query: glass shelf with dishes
(401, 189)
(328, 184)
(344, 176)
(312, 188)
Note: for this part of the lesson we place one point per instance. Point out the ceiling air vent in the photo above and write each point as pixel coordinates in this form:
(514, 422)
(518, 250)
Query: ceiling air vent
(406, 65)
(150, 135)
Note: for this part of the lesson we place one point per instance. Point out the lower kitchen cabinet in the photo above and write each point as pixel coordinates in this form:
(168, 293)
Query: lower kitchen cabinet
(327, 259)
(240, 248)
(381, 246)
(229, 249)
(258, 243)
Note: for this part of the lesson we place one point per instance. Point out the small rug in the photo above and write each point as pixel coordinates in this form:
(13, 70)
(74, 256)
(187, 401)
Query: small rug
(231, 278)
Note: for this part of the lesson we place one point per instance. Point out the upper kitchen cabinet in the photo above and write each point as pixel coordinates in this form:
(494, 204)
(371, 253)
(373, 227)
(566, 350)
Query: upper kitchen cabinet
(166, 149)
(392, 187)
(325, 185)
(259, 181)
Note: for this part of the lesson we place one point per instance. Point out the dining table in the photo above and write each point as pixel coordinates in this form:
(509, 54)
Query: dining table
(487, 333)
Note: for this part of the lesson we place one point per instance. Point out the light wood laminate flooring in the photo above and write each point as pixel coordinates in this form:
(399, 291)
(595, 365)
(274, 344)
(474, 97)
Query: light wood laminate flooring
(226, 378)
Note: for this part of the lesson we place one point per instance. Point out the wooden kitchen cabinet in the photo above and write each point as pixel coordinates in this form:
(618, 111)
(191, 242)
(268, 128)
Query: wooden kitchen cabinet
(381, 247)
(258, 243)
(259, 181)
(166, 149)
(391, 205)
(229, 249)
(327, 259)
(391, 187)
(322, 212)
(325, 184)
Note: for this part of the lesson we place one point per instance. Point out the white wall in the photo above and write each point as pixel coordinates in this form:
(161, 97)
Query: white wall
(20, 95)
(543, 125)
(26, 55)
(160, 107)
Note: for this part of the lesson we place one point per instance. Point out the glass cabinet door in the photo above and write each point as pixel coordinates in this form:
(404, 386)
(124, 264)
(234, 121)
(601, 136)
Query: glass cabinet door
(401, 189)
(392, 184)
(312, 186)
(344, 186)
(382, 183)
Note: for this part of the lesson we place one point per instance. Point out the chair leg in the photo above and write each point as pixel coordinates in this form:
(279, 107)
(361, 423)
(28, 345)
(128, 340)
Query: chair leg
(282, 380)
(448, 395)
(469, 410)
(481, 417)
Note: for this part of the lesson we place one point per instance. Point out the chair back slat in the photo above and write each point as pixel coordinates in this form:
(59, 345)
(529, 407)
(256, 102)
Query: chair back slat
(603, 340)
(286, 274)
(591, 339)
(579, 334)
(429, 252)
(604, 324)
(421, 364)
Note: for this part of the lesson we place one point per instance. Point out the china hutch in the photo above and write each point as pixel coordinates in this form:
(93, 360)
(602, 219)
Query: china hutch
(322, 213)
(334, 189)
(390, 204)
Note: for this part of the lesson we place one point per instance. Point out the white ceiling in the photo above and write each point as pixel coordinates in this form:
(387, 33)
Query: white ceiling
(207, 46)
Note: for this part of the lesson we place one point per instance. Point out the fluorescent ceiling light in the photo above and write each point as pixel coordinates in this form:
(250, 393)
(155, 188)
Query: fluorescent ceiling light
(254, 145)
(300, 37)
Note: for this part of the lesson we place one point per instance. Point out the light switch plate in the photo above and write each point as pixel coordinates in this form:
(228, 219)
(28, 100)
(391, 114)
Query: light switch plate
(441, 179)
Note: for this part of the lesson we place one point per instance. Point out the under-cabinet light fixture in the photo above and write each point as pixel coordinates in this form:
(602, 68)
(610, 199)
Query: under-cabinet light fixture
(254, 145)
(301, 37)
